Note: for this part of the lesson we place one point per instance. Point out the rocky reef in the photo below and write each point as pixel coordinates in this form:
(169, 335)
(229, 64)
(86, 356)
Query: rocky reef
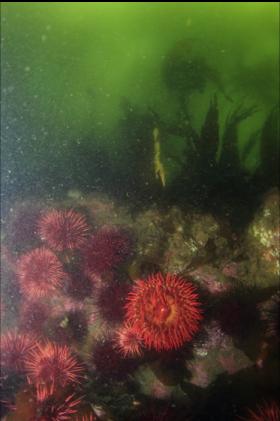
(73, 311)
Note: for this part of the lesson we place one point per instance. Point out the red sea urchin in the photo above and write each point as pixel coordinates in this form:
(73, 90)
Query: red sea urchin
(164, 310)
(128, 342)
(108, 362)
(14, 349)
(33, 316)
(63, 229)
(40, 273)
(89, 417)
(114, 291)
(53, 410)
(51, 365)
(108, 248)
(266, 412)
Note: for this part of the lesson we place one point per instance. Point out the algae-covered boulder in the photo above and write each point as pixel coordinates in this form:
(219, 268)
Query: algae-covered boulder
(150, 231)
(195, 238)
(215, 355)
(262, 243)
(152, 384)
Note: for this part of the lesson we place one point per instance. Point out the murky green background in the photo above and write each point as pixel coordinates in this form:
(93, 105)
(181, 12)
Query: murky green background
(66, 68)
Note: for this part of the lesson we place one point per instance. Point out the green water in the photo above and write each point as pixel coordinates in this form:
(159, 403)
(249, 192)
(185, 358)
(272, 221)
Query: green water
(67, 68)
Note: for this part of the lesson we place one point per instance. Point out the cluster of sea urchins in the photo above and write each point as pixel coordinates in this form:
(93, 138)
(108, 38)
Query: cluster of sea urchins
(49, 368)
(44, 275)
(161, 312)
